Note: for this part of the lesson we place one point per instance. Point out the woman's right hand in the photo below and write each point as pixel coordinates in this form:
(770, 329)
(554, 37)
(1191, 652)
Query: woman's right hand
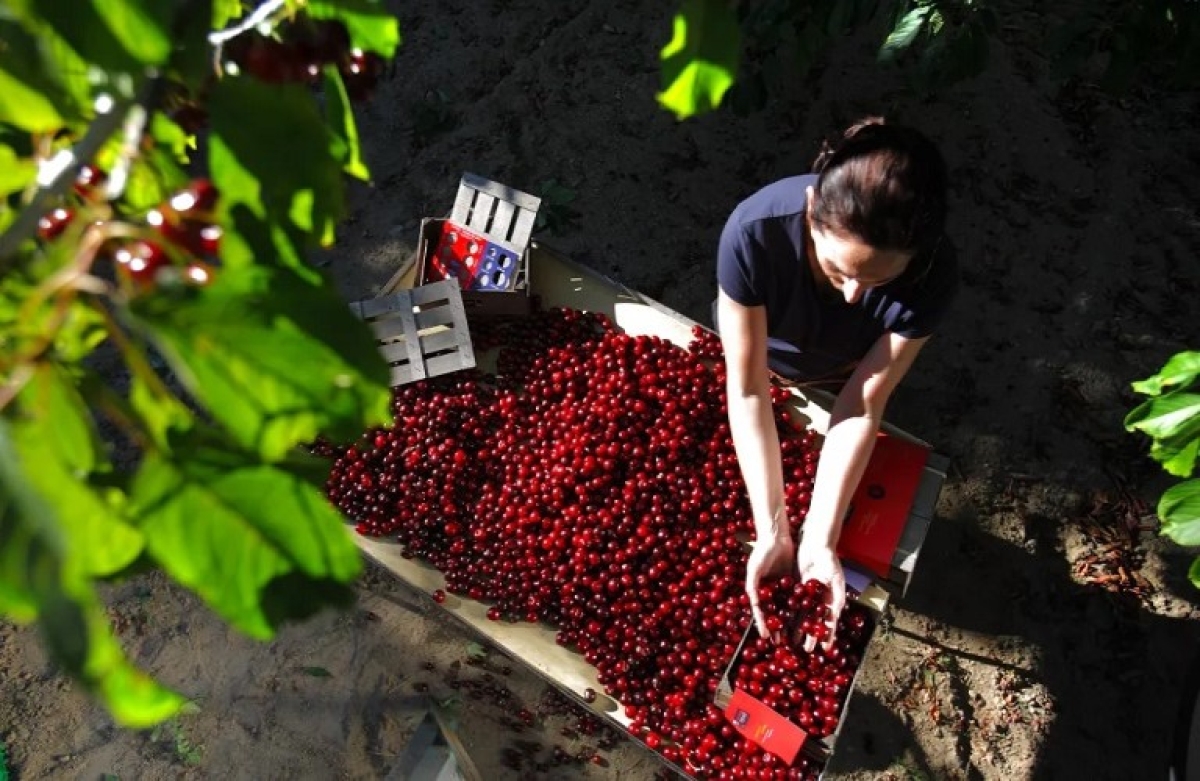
(772, 555)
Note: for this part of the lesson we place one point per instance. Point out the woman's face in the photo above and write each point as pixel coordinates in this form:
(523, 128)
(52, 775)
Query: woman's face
(850, 266)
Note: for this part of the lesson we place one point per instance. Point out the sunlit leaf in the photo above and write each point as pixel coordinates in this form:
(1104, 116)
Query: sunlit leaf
(370, 24)
(28, 98)
(15, 172)
(51, 406)
(700, 61)
(1171, 416)
(284, 169)
(226, 525)
(39, 580)
(275, 359)
(1181, 370)
(1179, 511)
(904, 34)
(115, 35)
(225, 11)
(59, 447)
(340, 116)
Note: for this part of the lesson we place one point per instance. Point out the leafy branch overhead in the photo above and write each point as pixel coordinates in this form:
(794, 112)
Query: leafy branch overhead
(237, 351)
(738, 54)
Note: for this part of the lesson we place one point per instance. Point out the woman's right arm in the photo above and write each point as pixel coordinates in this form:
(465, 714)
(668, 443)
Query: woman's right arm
(752, 425)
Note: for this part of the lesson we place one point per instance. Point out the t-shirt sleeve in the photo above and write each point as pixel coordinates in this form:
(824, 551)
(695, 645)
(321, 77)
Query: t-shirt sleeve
(736, 272)
(928, 308)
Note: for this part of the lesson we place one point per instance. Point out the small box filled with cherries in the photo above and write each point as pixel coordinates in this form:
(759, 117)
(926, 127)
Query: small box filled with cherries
(788, 701)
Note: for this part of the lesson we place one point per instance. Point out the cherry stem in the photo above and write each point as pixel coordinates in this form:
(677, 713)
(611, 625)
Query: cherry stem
(252, 21)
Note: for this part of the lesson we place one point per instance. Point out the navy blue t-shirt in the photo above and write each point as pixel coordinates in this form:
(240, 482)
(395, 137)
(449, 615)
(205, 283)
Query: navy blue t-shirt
(813, 334)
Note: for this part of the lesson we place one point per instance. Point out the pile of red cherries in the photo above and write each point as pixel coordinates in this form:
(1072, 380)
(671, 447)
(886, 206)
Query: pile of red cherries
(591, 483)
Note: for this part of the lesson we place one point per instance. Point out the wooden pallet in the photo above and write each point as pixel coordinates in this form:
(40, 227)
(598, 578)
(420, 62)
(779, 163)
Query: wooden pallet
(422, 332)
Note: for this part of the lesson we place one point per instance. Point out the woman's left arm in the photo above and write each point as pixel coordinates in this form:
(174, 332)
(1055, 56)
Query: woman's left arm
(853, 426)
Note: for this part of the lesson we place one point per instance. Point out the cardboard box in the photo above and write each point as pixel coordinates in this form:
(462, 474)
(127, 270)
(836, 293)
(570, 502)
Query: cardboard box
(504, 219)
(773, 731)
(882, 504)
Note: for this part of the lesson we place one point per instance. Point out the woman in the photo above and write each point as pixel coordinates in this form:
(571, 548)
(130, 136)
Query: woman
(835, 279)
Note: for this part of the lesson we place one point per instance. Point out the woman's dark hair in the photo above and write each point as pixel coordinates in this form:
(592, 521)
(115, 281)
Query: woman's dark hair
(884, 185)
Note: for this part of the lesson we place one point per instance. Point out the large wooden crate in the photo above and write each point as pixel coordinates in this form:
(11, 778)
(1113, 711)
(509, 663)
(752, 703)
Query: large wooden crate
(558, 281)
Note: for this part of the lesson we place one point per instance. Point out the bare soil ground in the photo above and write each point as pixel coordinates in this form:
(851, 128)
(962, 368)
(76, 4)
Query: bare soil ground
(1044, 635)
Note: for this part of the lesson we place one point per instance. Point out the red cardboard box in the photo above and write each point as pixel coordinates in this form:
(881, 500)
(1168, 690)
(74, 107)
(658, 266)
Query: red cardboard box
(882, 503)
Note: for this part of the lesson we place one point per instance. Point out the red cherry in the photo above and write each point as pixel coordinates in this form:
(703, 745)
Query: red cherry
(87, 181)
(199, 197)
(51, 225)
(141, 261)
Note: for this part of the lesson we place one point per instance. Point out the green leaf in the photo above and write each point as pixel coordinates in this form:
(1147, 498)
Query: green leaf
(275, 359)
(160, 414)
(1179, 511)
(170, 137)
(51, 406)
(226, 525)
(38, 579)
(28, 99)
(371, 26)
(115, 35)
(1175, 414)
(476, 651)
(340, 118)
(316, 672)
(15, 172)
(1181, 370)
(155, 176)
(1194, 573)
(699, 63)
(904, 34)
(225, 11)
(285, 170)
(55, 436)
(1177, 457)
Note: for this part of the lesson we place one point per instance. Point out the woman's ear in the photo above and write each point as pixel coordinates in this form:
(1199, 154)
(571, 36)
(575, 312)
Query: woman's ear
(808, 200)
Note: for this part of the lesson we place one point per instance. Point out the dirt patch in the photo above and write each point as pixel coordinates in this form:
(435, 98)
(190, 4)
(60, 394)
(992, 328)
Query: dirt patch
(1010, 656)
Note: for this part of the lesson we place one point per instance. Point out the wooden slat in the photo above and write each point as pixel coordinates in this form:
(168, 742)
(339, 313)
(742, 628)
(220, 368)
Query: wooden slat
(444, 364)
(463, 201)
(384, 305)
(502, 220)
(402, 374)
(438, 341)
(481, 212)
(438, 315)
(523, 228)
(412, 345)
(387, 329)
(435, 291)
(395, 353)
(502, 191)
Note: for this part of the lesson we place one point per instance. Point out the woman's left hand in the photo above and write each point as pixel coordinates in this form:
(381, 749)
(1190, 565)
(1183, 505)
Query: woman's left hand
(815, 561)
